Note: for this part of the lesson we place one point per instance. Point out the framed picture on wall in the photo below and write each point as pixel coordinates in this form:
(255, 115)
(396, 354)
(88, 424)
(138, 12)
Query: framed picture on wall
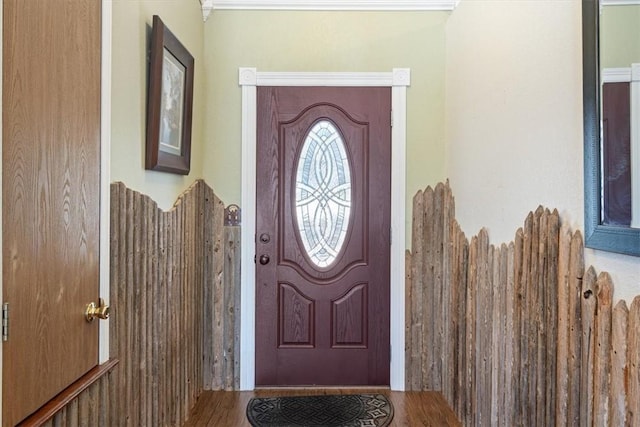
(169, 102)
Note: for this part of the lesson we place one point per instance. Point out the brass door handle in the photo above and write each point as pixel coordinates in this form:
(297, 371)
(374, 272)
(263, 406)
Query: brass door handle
(100, 311)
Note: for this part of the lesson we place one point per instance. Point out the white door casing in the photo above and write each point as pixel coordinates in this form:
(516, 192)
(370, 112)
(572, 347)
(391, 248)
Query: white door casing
(249, 79)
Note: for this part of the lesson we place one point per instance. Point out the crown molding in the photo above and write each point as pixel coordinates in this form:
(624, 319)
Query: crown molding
(365, 5)
(619, 2)
(616, 75)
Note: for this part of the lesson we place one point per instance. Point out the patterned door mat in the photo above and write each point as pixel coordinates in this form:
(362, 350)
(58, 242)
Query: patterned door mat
(340, 410)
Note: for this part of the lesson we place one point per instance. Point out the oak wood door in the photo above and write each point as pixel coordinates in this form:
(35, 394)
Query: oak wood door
(323, 236)
(50, 197)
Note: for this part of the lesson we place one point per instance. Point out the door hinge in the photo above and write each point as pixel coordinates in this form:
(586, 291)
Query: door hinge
(391, 118)
(5, 321)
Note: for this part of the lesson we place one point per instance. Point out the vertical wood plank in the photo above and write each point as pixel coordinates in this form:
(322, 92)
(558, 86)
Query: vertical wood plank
(438, 252)
(470, 350)
(231, 277)
(60, 420)
(408, 287)
(236, 326)
(94, 403)
(551, 318)
(160, 325)
(153, 247)
(104, 409)
(588, 310)
(209, 237)
(116, 281)
(143, 285)
(562, 354)
(447, 354)
(461, 304)
(218, 302)
(524, 412)
(574, 379)
(198, 315)
(484, 308)
(536, 305)
(618, 393)
(128, 381)
(187, 278)
(497, 335)
(518, 304)
(633, 360)
(510, 342)
(73, 414)
(178, 364)
(417, 260)
(428, 309)
(602, 357)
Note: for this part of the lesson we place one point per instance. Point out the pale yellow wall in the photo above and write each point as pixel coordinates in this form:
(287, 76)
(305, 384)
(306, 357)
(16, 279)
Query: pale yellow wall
(131, 30)
(514, 120)
(324, 41)
(620, 36)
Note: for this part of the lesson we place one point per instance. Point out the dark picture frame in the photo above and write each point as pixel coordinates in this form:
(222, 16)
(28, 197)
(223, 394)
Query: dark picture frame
(169, 102)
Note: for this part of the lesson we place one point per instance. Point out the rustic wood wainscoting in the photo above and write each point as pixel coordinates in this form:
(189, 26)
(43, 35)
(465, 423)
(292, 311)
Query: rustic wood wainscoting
(174, 293)
(170, 324)
(518, 334)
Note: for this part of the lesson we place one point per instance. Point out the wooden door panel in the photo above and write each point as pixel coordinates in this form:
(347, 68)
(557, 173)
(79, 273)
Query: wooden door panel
(323, 322)
(296, 325)
(50, 196)
(349, 318)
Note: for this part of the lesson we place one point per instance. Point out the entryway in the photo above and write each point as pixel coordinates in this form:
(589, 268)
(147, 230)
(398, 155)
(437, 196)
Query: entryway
(397, 80)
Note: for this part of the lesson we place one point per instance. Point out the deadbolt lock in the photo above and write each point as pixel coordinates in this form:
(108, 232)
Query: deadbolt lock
(100, 311)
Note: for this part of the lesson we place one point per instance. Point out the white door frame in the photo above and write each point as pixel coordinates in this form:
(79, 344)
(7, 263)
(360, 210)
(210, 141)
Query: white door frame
(398, 80)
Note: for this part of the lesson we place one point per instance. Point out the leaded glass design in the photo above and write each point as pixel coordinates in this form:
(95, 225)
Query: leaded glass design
(323, 193)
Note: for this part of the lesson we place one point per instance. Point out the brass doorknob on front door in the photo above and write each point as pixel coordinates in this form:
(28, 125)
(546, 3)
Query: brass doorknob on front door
(264, 259)
(100, 311)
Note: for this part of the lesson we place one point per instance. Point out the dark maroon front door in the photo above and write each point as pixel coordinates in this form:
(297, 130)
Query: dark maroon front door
(323, 236)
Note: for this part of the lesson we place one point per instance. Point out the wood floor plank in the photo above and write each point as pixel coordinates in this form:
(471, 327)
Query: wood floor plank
(413, 408)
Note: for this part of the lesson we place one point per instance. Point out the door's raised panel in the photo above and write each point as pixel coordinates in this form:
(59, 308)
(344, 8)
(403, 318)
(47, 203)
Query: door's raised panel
(297, 317)
(349, 318)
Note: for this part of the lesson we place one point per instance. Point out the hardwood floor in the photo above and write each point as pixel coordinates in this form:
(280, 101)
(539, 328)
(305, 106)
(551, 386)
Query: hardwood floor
(227, 408)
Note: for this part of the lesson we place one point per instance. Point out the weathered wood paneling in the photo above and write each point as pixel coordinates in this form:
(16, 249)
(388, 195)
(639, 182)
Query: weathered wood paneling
(174, 298)
(171, 310)
(513, 335)
(90, 408)
(174, 323)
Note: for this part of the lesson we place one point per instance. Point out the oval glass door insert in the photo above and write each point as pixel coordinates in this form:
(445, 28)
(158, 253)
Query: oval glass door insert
(323, 194)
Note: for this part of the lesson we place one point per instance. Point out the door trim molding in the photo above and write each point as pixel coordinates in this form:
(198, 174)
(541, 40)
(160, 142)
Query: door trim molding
(105, 173)
(398, 80)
